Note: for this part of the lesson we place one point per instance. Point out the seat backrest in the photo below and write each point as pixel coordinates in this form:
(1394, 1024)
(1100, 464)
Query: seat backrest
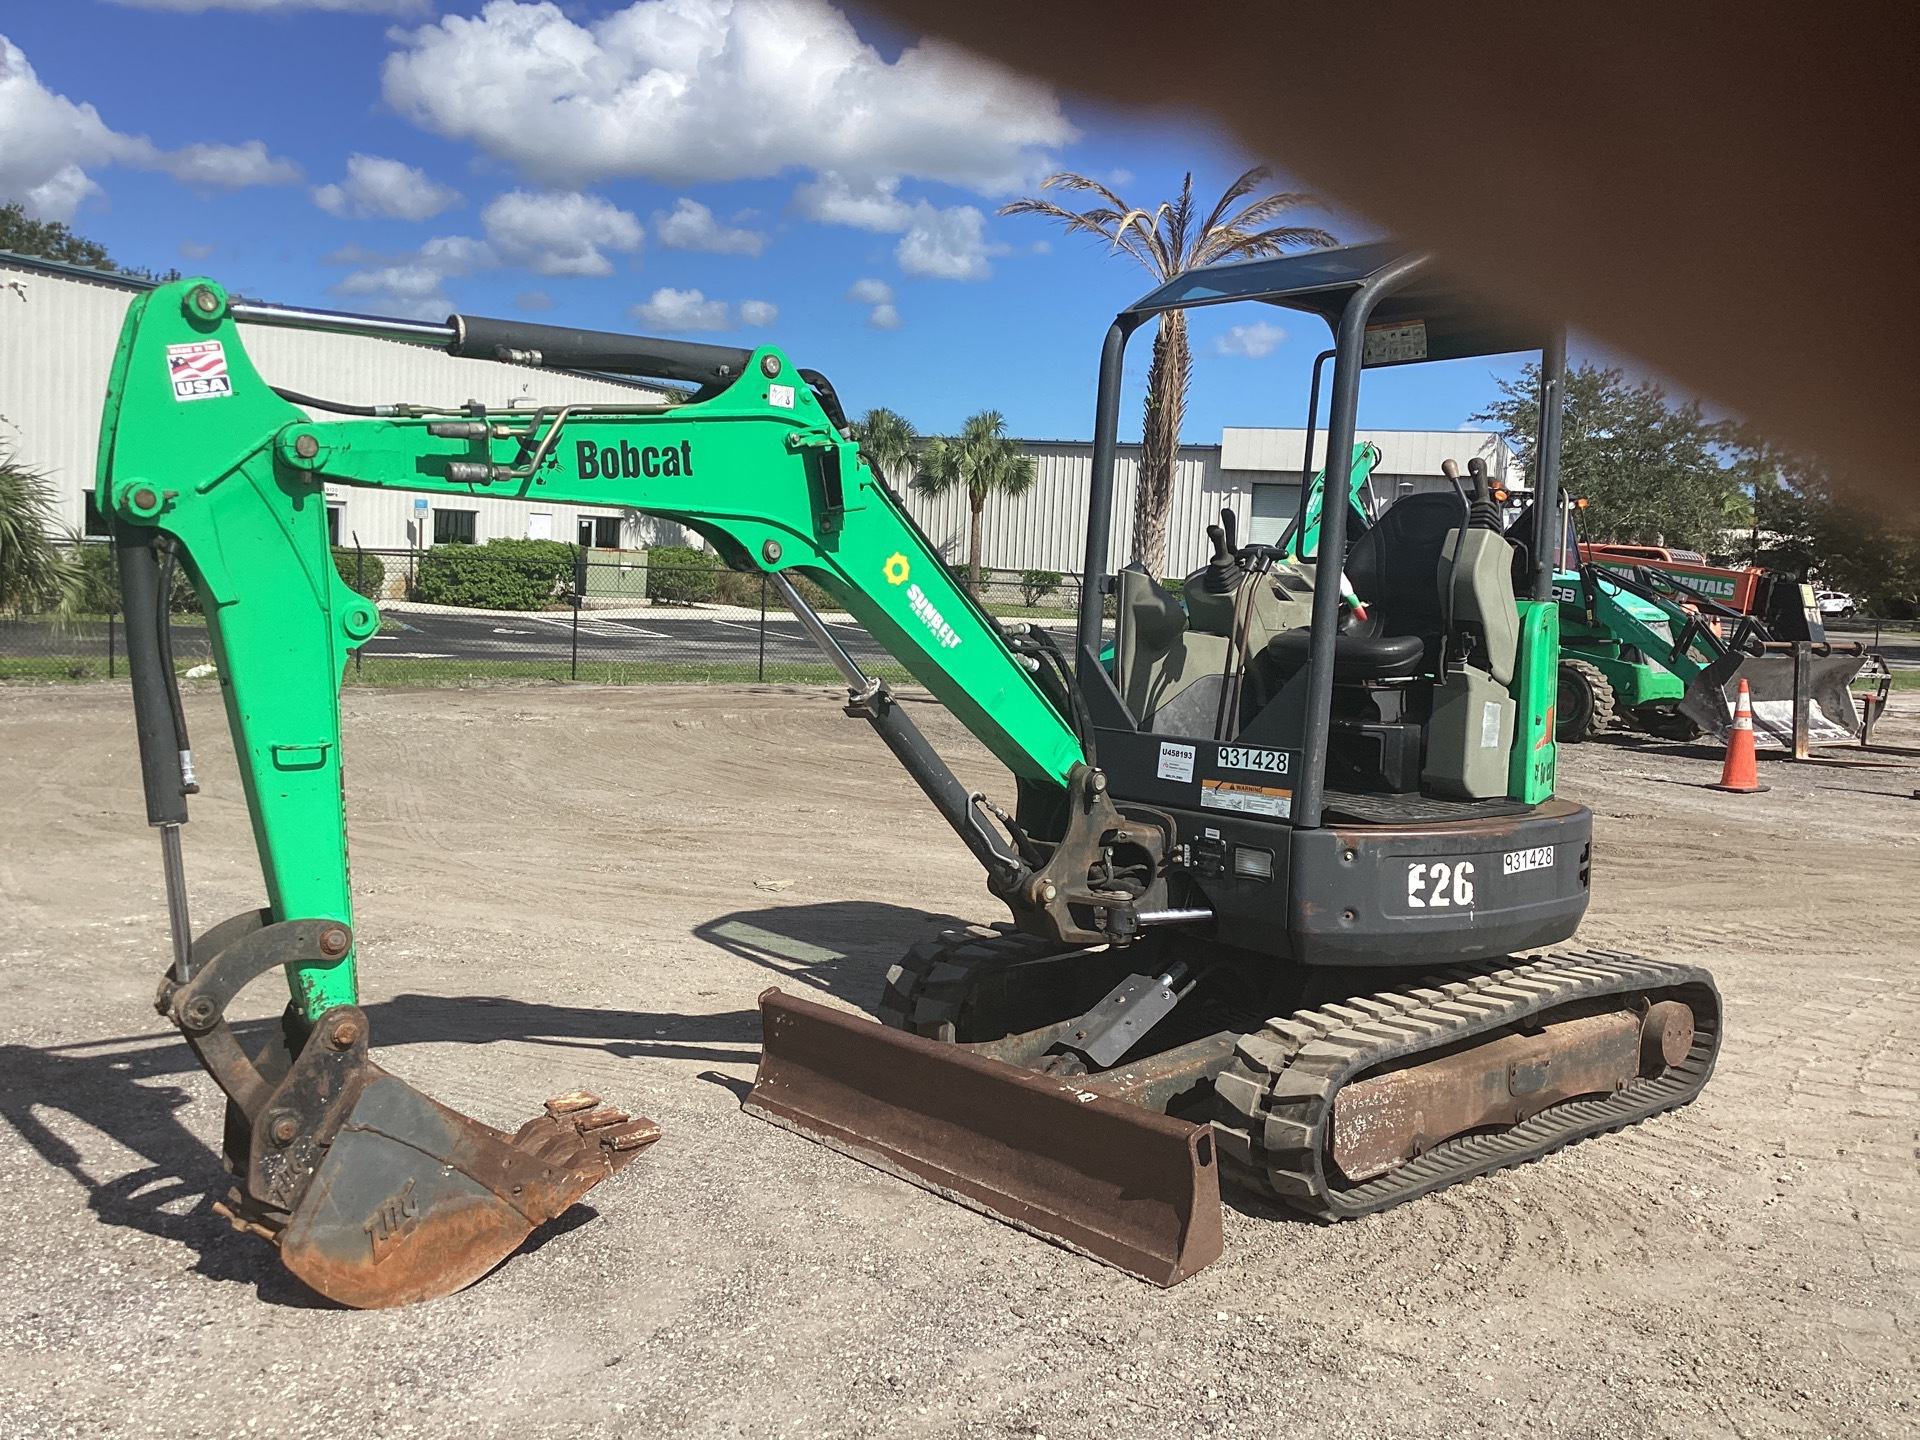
(1392, 566)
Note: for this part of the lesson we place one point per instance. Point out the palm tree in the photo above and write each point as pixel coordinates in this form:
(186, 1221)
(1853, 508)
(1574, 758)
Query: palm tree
(34, 572)
(982, 461)
(1168, 242)
(888, 440)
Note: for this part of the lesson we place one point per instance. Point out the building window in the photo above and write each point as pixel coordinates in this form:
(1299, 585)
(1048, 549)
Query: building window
(454, 527)
(333, 523)
(600, 532)
(92, 521)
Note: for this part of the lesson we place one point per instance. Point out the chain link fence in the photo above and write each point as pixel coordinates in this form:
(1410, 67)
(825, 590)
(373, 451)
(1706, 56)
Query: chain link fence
(597, 617)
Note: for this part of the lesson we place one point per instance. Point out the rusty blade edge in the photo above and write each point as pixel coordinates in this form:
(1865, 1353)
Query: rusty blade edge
(1054, 1160)
(1152, 1267)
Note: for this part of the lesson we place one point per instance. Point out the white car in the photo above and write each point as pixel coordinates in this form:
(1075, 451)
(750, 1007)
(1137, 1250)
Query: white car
(1835, 602)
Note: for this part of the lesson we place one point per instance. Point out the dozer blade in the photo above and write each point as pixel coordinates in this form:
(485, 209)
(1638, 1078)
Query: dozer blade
(376, 1195)
(1831, 716)
(1134, 1188)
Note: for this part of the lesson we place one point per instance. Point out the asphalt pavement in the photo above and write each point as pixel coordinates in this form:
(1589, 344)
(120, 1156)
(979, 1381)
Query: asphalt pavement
(734, 638)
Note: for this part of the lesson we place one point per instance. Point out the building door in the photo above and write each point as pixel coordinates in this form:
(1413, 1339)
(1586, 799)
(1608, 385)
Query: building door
(1274, 507)
(600, 532)
(539, 526)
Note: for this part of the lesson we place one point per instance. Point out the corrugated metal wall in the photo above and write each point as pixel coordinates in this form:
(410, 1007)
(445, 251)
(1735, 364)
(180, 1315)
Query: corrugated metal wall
(1045, 529)
(57, 338)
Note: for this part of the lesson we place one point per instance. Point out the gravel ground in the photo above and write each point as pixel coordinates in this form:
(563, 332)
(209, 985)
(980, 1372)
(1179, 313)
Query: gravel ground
(564, 887)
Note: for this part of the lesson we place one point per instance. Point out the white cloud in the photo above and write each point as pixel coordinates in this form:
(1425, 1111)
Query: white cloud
(406, 9)
(670, 309)
(884, 315)
(946, 244)
(49, 142)
(871, 204)
(1253, 342)
(413, 283)
(52, 142)
(377, 187)
(224, 167)
(191, 249)
(758, 313)
(684, 90)
(548, 234)
(559, 233)
(692, 226)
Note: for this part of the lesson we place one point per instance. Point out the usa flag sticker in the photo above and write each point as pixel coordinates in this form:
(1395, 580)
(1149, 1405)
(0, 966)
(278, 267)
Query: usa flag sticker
(199, 371)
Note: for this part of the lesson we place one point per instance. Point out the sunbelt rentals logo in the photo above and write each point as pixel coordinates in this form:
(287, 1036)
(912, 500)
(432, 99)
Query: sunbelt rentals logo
(931, 618)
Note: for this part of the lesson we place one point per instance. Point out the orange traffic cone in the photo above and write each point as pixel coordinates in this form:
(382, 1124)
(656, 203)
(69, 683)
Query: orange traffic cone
(1741, 772)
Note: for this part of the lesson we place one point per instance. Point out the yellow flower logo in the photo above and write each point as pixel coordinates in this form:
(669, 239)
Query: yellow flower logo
(897, 570)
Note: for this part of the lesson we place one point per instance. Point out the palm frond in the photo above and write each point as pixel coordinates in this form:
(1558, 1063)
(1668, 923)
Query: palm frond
(1070, 180)
(1249, 181)
(1229, 245)
(1260, 211)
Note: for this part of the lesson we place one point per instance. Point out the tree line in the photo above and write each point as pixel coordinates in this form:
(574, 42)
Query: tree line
(1656, 469)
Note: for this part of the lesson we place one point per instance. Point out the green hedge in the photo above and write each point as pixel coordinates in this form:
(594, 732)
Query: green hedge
(97, 590)
(499, 575)
(681, 575)
(365, 574)
(1037, 585)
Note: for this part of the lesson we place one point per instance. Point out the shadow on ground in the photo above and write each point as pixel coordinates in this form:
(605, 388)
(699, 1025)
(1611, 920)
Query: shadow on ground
(119, 1088)
(841, 947)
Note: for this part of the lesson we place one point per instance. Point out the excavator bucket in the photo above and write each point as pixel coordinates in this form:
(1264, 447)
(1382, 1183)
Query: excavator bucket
(1831, 716)
(414, 1201)
(375, 1194)
(1134, 1188)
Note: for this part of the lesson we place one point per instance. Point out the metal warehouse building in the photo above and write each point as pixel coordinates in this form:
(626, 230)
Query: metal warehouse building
(59, 325)
(1253, 472)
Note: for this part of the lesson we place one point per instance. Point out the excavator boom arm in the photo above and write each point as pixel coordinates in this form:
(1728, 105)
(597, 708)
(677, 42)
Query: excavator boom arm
(199, 452)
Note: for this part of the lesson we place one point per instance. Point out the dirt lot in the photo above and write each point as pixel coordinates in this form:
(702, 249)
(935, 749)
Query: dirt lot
(566, 887)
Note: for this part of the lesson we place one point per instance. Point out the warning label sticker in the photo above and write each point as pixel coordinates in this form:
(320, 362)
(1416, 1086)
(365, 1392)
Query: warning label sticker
(199, 371)
(1246, 799)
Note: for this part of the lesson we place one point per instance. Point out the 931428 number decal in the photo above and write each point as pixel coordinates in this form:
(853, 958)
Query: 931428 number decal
(1439, 885)
(1268, 762)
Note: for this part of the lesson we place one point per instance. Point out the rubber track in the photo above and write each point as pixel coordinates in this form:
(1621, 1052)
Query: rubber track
(1279, 1090)
(1605, 704)
(927, 989)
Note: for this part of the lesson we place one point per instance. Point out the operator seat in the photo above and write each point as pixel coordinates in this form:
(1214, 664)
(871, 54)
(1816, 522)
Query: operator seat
(1392, 568)
(1375, 743)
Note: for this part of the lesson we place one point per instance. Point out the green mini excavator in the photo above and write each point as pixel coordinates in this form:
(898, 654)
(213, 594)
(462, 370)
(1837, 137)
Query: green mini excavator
(1266, 868)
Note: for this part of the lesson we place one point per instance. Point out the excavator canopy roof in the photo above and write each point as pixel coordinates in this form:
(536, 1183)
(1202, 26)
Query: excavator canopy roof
(1457, 323)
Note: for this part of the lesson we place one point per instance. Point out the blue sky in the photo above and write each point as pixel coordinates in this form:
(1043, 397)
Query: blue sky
(757, 169)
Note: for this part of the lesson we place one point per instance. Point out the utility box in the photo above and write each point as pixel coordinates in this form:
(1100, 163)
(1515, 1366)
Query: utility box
(1469, 736)
(616, 577)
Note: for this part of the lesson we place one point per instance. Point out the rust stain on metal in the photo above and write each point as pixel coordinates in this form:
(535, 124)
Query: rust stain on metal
(1385, 1120)
(1051, 1155)
(415, 1200)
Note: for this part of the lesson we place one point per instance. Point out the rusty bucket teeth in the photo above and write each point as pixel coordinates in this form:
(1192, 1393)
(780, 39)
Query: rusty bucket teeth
(414, 1201)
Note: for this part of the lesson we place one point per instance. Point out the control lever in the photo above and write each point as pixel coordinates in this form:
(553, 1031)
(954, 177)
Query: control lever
(1224, 570)
(1484, 513)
